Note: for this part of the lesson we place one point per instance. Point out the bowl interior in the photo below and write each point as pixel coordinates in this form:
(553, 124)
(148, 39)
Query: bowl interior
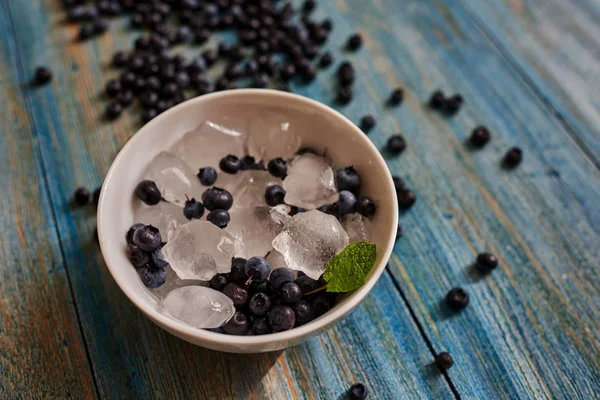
(320, 128)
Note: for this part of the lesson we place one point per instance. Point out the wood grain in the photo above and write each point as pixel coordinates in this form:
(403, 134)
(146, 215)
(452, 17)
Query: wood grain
(42, 353)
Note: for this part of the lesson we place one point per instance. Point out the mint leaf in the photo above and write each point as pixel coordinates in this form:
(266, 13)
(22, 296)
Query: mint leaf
(347, 270)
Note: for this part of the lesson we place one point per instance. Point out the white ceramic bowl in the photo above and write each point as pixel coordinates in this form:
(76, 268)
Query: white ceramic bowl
(321, 128)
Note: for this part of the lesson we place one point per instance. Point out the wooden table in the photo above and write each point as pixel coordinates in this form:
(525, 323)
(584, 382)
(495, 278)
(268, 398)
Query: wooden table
(528, 69)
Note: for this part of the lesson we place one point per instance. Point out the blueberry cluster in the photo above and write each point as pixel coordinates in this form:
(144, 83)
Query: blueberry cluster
(269, 301)
(144, 245)
(448, 105)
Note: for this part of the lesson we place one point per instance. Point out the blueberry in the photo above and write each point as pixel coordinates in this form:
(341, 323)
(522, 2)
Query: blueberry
(260, 81)
(112, 87)
(457, 299)
(96, 195)
(113, 110)
(81, 196)
(326, 60)
(290, 293)
(207, 176)
(304, 312)
(331, 209)
(277, 167)
(280, 276)
(86, 31)
(306, 283)
(119, 59)
(257, 268)
(259, 304)
(237, 293)
(452, 105)
(354, 42)
(347, 202)
(219, 217)
(396, 145)
(262, 287)
(327, 25)
(358, 391)
(281, 318)
(193, 209)
(217, 198)
(125, 98)
(169, 90)
(274, 195)
(237, 273)
(437, 99)
(367, 123)
(287, 72)
(348, 179)
(147, 192)
(148, 115)
(396, 97)
(131, 231)
(158, 259)
(249, 163)
(149, 99)
(366, 206)
(153, 277)
(296, 210)
(486, 262)
(147, 238)
(444, 361)
(137, 256)
(398, 183)
(260, 326)
(321, 305)
(344, 95)
(100, 25)
(399, 232)
(512, 158)
(230, 164)
(218, 281)
(210, 57)
(251, 68)
(345, 73)
(406, 198)
(237, 325)
(479, 137)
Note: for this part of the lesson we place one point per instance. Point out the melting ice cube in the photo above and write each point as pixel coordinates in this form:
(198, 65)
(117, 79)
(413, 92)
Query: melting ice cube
(281, 213)
(174, 178)
(357, 227)
(309, 241)
(199, 306)
(271, 135)
(173, 282)
(208, 143)
(251, 190)
(165, 216)
(200, 250)
(254, 228)
(310, 182)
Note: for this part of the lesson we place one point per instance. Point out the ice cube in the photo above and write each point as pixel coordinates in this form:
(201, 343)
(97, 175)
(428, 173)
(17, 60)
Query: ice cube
(276, 259)
(173, 282)
(251, 189)
(357, 227)
(208, 143)
(255, 229)
(199, 306)
(174, 178)
(310, 240)
(165, 216)
(271, 135)
(200, 250)
(281, 213)
(310, 182)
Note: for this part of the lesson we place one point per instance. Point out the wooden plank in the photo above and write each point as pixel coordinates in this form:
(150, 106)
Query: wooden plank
(532, 329)
(42, 354)
(557, 45)
(379, 344)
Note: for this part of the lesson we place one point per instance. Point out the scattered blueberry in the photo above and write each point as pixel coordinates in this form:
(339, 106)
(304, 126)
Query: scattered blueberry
(348, 179)
(326, 60)
(406, 198)
(137, 256)
(398, 183)
(457, 299)
(344, 95)
(218, 282)
(437, 99)
(148, 192)
(113, 110)
(358, 391)
(125, 98)
(399, 232)
(237, 325)
(148, 115)
(354, 42)
(444, 361)
(119, 59)
(486, 262)
(238, 273)
(366, 206)
(280, 276)
(259, 304)
(147, 238)
(158, 259)
(230, 164)
(207, 176)
(81, 196)
(347, 202)
(304, 312)
(277, 167)
(274, 195)
(113, 87)
(257, 268)
(452, 105)
(290, 293)
(479, 137)
(512, 158)
(367, 123)
(217, 198)
(237, 293)
(96, 195)
(260, 326)
(396, 97)
(193, 209)
(153, 277)
(396, 145)
(281, 318)
(219, 217)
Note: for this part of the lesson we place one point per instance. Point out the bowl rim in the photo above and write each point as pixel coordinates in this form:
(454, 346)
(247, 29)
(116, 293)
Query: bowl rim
(182, 330)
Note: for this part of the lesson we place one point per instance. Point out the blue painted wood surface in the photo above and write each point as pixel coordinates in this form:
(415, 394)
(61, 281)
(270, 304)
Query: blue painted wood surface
(532, 328)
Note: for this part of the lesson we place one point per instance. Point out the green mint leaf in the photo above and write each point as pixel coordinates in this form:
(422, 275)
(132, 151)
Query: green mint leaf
(347, 270)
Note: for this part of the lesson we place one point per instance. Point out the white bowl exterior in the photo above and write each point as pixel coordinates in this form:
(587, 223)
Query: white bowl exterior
(321, 128)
